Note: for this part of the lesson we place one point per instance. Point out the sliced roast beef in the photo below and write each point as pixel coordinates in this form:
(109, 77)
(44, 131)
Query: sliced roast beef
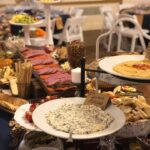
(57, 75)
(24, 50)
(37, 67)
(32, 53)
(43, 61)
(56, 81)
(44, 77)
(39, 57)
(49, 70)
(58, 78)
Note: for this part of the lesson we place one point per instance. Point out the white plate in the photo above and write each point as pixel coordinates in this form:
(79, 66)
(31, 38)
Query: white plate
(19, 117)
(21, 24)
(38, 41)
(50, 2)
(108, 63)
(39, 118)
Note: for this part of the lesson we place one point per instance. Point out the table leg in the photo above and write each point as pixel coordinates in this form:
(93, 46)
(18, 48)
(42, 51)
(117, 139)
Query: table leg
(48, 24)
(27, 35)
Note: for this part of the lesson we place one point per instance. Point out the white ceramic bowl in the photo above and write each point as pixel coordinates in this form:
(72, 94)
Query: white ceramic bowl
(38, 41)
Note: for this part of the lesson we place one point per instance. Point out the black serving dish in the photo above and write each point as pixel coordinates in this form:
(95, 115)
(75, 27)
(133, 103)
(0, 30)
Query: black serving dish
(144, 142)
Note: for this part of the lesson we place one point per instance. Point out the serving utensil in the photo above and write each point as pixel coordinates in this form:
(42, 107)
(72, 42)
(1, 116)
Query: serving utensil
(70, 137)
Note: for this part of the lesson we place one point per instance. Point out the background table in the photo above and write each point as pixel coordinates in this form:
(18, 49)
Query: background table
(143, 15)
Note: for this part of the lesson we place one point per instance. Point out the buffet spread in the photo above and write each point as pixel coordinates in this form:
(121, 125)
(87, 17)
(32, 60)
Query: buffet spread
(121, 111)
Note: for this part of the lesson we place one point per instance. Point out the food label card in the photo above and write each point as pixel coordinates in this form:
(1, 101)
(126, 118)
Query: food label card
(97, 99)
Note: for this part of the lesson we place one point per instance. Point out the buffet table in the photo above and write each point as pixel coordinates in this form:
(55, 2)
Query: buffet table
(5, 137)
(56, 83)
(32, 55)
(123, 142)
(81, 144)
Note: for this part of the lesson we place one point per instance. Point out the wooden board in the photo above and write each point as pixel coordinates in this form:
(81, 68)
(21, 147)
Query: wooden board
(6, 110)
(67, 93)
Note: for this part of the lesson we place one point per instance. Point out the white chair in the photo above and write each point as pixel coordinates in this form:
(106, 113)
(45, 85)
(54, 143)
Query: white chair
(72, 31)
(76, 12)
(133, 33)
(109, 17)
(121, 30)
(53, 25)
(140, 32)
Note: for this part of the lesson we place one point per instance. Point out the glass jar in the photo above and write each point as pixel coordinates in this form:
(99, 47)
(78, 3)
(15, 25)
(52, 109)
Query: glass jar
(147, 52)
(76, 50)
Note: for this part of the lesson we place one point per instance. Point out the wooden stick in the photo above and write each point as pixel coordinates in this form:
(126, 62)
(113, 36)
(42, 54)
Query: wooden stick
(24, 75)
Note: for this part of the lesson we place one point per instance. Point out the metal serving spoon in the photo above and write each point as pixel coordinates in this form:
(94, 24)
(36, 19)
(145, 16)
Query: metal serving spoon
(70, 137)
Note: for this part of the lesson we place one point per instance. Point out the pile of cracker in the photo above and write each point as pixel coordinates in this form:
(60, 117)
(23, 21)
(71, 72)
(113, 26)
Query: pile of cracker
(135, 108)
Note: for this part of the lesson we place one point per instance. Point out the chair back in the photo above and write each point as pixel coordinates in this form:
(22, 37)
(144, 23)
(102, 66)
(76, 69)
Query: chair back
(121, 20)
(121, 25)
(108, 16)
(134, 17)
(53, 22)
(73, 29)
(76, 12)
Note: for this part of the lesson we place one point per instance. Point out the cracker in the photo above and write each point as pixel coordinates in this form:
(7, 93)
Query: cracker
(97, 99)
(142, 114)
(147, 111)
(129, 117)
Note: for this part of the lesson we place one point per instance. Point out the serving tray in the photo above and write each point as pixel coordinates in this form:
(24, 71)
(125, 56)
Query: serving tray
(66, 93)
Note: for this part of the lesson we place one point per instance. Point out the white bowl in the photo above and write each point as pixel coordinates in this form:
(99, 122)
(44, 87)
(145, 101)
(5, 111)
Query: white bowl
(38, 41)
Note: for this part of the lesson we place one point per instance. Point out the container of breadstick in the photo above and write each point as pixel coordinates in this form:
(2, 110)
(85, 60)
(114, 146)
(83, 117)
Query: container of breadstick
(24, 75)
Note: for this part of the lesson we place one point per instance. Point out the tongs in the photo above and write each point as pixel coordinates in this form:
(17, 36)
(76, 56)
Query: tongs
(130, 94)
(70, 137)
